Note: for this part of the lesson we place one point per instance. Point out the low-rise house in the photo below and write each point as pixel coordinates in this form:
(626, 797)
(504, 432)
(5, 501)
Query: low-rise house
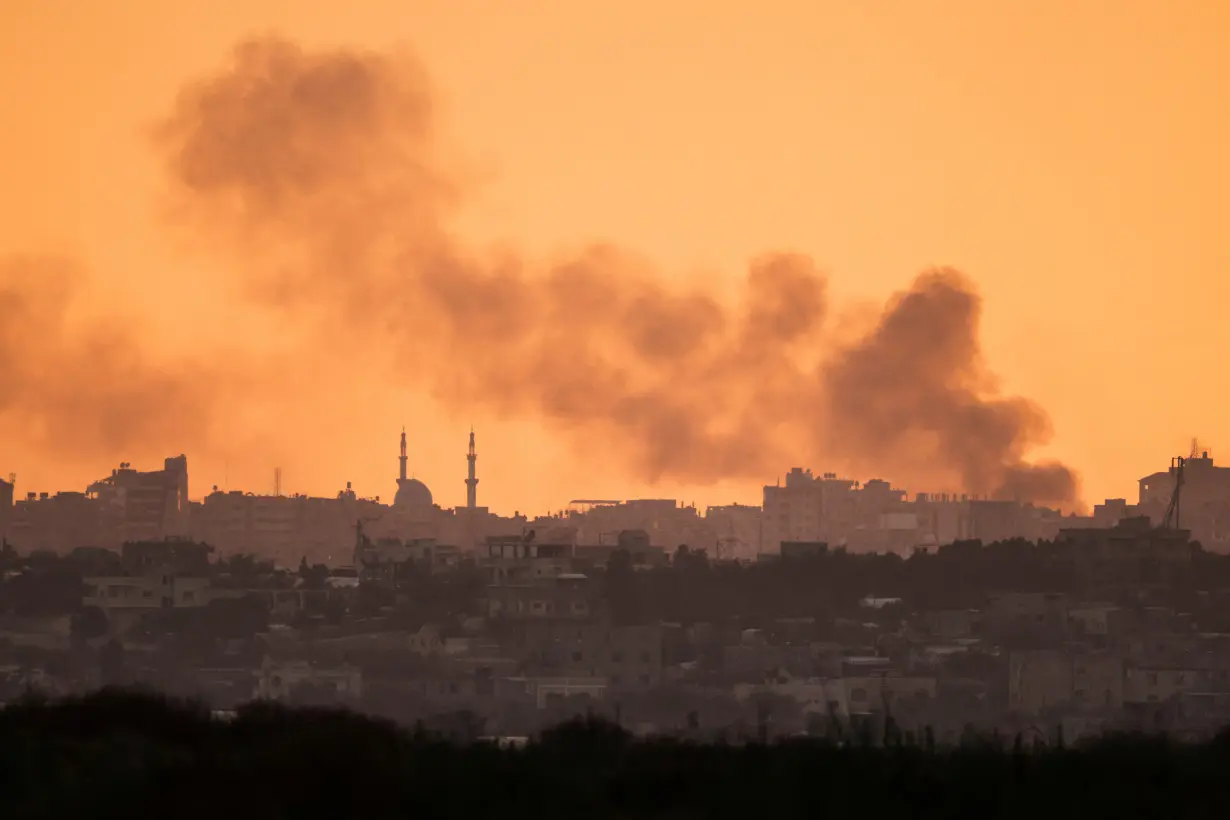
(633, 656)
(1048, 679)
(951, 623)
(544, 690)
(1196, 716)
(281, 679)
(50, 632)
(427, 641)
(1032, 616)
(144, 592)
(1158, 680)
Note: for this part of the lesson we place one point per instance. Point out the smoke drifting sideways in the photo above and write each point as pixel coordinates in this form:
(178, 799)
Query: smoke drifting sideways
(319, 175)
(80, 388)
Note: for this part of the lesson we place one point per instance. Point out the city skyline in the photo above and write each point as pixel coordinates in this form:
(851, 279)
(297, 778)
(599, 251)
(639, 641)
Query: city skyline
(443, 496)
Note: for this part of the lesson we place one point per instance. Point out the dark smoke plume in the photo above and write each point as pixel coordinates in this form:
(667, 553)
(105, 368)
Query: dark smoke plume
(320, 174)
(80, 387)
(917, 385)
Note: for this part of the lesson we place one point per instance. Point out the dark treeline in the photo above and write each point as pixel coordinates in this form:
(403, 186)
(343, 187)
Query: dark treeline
(960, 575)
(125, 754)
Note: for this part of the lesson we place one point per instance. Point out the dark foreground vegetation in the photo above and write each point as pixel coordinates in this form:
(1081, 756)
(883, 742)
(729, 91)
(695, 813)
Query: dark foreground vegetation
(123, 754)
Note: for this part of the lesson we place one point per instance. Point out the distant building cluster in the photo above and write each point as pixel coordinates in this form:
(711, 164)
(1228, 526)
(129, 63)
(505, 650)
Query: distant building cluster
(805, 508)
(797, 616)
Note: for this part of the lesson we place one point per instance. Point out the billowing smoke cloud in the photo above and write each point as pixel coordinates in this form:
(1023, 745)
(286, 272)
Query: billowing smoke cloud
(917, 386)
(320, 174)
(81, 387)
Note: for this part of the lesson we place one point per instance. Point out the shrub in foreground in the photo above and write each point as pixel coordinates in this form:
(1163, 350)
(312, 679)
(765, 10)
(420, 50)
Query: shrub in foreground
(134, 755)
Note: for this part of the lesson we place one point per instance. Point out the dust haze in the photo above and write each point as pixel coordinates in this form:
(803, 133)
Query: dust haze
(81, 386)
(319, 180)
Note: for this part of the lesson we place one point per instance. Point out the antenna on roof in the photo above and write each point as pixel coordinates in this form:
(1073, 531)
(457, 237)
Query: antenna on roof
(1198, 450)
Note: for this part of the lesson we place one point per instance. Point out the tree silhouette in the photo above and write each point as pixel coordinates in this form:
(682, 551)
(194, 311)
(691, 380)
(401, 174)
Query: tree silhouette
(90, 623)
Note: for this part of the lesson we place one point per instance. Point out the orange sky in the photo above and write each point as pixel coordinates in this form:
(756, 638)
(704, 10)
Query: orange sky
(1070, 157)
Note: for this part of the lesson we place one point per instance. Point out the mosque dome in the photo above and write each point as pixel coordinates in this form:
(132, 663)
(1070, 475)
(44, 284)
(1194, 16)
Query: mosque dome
(412, 493)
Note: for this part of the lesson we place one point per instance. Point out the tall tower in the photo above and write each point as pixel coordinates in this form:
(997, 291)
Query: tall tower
(472, 479)
(401, 476)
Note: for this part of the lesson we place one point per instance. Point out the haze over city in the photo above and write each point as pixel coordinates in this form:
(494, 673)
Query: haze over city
(668, 254)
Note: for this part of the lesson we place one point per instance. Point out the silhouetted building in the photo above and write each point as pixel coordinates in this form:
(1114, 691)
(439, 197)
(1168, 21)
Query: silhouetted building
(1131, 552)
(57, 523)
(738, 530)
(145, 505)
(285, 528)
(6, 508)
(181, 556)
(794, 512)
(1204, 502)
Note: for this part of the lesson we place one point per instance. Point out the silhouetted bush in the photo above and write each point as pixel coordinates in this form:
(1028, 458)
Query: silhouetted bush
(133, 755)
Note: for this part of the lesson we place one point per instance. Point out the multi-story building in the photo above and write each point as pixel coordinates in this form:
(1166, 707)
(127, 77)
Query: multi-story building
(794, 511)
(738, 530)
(145, 505)
(57, 523)
(128, 505)
(286, 528)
